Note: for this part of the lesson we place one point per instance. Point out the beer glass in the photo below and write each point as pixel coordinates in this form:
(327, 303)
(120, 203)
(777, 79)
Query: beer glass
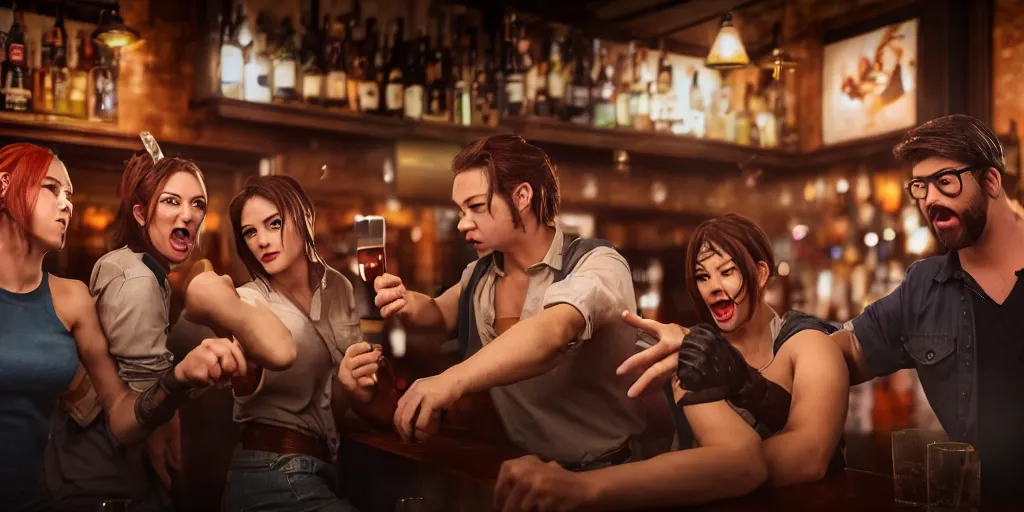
(909, 464)
(370, 236)
(954, 477)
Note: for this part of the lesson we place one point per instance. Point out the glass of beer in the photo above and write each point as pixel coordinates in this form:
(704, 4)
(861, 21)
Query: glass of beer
(910, 464)
(370, 236)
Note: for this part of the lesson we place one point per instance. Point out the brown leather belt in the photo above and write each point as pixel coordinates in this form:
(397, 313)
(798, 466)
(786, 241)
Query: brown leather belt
(266, 438)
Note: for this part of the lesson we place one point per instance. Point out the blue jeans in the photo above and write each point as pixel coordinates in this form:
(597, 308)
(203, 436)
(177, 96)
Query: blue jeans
(290, 483)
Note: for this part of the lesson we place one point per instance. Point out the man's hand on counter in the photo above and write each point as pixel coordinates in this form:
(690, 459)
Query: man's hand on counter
(419, 410)
(527, 484)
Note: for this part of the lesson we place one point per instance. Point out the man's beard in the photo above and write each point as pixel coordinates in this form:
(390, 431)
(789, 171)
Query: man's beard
(972, 224)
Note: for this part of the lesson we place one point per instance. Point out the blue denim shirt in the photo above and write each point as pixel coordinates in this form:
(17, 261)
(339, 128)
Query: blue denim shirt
(927, 323)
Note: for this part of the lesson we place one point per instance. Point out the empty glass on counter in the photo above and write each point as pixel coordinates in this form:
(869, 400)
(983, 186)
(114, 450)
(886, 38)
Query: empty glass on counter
(954, 477)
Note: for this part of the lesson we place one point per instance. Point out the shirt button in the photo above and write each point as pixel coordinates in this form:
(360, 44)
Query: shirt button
(965, 314)
(929, 355)
(961, 298)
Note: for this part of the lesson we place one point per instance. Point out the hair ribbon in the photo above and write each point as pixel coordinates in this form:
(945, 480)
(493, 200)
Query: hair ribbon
(151, 146)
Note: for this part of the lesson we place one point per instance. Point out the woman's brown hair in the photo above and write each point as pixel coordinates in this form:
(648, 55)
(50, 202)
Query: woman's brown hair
(739, 238)
(140, 184)
(291, 201)
(509, 161)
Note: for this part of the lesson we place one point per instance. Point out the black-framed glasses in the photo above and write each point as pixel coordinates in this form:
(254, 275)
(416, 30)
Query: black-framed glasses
(949, 182)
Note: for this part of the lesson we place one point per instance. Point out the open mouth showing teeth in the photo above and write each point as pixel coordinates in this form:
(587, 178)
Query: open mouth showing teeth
(723, 309)
(180, 239)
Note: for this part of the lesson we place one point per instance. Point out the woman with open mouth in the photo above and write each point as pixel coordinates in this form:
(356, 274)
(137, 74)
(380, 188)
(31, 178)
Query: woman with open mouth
(288, 435)
(50, 323)
(782, 374)
(163, 205)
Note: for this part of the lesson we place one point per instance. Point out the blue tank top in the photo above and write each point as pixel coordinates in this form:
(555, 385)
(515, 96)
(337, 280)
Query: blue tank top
(38, 360)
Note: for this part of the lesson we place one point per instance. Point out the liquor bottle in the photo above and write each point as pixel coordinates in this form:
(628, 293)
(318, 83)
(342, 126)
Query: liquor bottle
(514, 70)
(42, 78)
(744, 121)
(61, 73)
(373, 85)
(358, 64)
(439, 74)
(465, 80)
(79, 89)
(415, 77)
(258, 67)
(104, 80)
(285, 66)
(640, 93)
(663, 108)
(486, 94)
(624, 84)
(577, 94)
(17, 96)
(556, 78)
(698, 117)
(394, 84)
(538, 80)
(314, 70)
(232, 58)
(603, 90)
(336, 89)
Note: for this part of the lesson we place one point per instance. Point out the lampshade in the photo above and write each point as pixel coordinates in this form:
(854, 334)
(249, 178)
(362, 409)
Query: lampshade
(112, 32)
(727, 51)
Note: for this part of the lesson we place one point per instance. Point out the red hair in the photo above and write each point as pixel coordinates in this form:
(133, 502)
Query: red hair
(27, 165)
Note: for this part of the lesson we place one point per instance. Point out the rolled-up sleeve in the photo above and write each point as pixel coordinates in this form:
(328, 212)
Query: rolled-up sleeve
(134, 318)
(879, 330)
(600, 287)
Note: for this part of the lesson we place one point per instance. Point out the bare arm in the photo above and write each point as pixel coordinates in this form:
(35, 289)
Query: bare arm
(212, 300)
(853, 356)
(416, 309)
(530, 348)
(727, 463)
(821, 390)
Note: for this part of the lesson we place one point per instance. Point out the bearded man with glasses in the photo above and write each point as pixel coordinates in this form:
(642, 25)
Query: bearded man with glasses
(958, 318)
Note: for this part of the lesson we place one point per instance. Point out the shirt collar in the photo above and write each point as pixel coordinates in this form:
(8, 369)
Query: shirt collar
(950, 268)
(553, 258)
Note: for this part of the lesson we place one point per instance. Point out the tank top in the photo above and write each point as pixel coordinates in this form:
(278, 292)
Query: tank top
(38, 360)
(782, 329)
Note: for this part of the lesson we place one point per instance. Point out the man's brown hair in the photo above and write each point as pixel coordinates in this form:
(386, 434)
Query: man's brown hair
(742, 240)
(957, 137)
(509, 161)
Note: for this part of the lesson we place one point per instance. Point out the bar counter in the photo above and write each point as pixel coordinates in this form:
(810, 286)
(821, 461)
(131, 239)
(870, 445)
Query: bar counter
(453, 472)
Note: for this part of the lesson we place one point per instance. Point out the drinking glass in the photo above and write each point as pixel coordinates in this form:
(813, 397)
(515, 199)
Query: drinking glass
(954, 477)
(370, 236)
(909, 464)
(410, 505)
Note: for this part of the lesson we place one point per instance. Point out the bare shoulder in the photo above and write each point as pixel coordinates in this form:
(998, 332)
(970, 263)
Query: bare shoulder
(815, 347)
(71, 299)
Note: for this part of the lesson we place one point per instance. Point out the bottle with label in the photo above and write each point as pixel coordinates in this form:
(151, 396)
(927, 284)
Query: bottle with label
(14, 74)
(79, 89)
(284, 66)
(624, 84)
(60, 70)
(232, 59)
(314, 70)
(698, 115)
(42, 79)
(577, 94)
(744, 121)
(415, 77)
(393, 83)
(663, 108)
(487, 93)
(257, 69)
(466, 79)
(514, 71)
(640, 93)
(538, 92)
(359, 65)
(336, 88)
(104, 80)
(556, 79)
(603, 91)
(439, 74)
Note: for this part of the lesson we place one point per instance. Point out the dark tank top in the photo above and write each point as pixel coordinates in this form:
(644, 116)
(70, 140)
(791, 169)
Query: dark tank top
(793, 323)
(38, 360)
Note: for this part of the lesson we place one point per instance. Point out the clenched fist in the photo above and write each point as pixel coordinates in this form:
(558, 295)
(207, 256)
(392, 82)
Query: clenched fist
(214, 361)
(390, 295)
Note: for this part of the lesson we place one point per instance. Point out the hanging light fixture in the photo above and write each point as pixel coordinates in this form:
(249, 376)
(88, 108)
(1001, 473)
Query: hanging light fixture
(112, 32)
(727, 51)
(779, 59)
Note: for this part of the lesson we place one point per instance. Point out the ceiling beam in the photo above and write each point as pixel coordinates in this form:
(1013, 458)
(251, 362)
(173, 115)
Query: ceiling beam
(718, 9)
(651, 9)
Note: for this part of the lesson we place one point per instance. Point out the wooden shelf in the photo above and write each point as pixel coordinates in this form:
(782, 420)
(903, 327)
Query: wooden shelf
(108, 142)
(316, 118)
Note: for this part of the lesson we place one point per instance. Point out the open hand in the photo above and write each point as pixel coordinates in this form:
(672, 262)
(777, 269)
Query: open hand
(658, 363)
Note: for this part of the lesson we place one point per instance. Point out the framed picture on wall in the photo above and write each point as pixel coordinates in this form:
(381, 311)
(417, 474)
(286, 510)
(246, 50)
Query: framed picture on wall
(869, 83)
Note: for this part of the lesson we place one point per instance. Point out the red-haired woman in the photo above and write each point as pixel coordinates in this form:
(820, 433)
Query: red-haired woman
(163, 205)
(50, 323)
